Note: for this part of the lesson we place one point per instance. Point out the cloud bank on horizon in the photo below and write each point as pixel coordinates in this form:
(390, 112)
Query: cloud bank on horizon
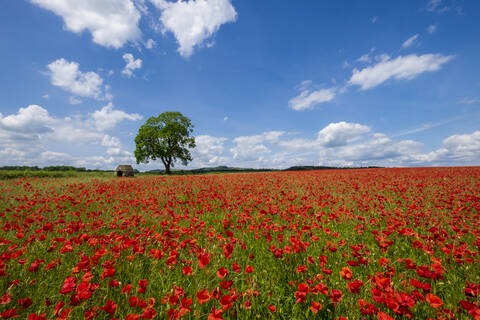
(405, 97)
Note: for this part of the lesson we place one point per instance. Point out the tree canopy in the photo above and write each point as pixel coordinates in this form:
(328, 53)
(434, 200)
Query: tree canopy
(166, 137)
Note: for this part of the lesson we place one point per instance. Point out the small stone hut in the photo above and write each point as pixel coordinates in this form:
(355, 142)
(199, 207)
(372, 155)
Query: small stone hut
(124, 170)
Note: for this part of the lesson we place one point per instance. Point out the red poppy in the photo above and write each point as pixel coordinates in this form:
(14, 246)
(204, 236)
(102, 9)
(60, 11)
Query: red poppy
(434, 301)
(383, 316)
(203, 296)
(346, 273)
(355, 285)
(316, 306)
(336, 295)
(215, 314)
(222, 273)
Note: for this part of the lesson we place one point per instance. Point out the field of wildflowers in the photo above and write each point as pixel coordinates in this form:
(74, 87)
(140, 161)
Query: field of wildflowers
(334, 244)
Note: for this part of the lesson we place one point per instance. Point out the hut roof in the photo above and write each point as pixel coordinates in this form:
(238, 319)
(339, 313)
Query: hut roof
(124, 167)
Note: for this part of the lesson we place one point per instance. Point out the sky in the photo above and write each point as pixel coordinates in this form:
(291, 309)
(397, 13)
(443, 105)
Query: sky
(267, 84)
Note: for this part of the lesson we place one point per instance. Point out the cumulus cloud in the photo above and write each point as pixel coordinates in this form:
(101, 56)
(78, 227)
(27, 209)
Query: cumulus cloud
(32, 119)
(111, 23)
(341, 133)
(67, 75)
(74, 100)
(29, 135)
(106, 118)
(402, 67)
(209, 151)
(250, 148)
(380, 147)
(458, 149)
(308, 99)
(410, 41)
(131, 64)
(194, 21)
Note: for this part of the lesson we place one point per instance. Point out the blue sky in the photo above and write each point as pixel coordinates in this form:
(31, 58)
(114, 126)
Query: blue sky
(266, 83)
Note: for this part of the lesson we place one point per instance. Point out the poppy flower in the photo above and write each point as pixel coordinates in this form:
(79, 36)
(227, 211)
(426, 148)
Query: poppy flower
(434, 301)
(187, 270)
(203, 296)
(215, 314)
(316, 306)
(110, 307)
(226, 302)
(222, 273)
(142, 286)
(383, 316)
(346, 273)
(336, 295)
(355, 285)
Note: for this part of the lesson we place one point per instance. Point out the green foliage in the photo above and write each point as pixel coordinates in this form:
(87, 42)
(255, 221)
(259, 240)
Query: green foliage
(13, 174)
(166, 137)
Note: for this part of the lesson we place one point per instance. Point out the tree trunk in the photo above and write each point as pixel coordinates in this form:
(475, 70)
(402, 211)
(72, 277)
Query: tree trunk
(167, 168)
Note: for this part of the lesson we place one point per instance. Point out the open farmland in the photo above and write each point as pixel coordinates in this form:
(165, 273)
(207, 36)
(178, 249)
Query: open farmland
(376, 243)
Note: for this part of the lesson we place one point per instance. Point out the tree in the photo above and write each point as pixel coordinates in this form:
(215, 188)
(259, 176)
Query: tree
(166, 137)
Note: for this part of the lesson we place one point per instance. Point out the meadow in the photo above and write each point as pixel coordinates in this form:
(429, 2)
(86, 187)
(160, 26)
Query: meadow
(332, 244)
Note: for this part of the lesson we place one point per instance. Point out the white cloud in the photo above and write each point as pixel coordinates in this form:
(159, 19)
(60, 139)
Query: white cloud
(250, 148)
(469, 101)
(374, 19)
(463, 147)
(380, 147)
(131, 64)
(194, 21)
(45, 96)
(432, 5)
(150, 44)
(308, 99)
(31, 135)
(32, 120)
(366, 57)
(67, 76)
(431, 28)
(74, 100)
(209, 151)
(341, 133)
(106, 118)
(410, 41)
(111, 142)
(402, 67)
(225, 118)
(111, 22)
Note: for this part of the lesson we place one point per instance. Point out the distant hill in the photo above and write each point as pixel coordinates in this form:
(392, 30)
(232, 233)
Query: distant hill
(219, 169)
(304, 168)
(225, 169)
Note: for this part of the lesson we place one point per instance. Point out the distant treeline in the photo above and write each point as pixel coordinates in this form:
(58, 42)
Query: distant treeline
(11, 172)
(51, 168)
(302, 168)
(219, 169)
(225, 169)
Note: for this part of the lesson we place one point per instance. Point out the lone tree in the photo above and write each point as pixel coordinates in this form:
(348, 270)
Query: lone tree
(166, 137)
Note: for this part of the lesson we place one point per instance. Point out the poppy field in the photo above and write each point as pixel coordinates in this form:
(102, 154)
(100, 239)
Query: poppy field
(332, 244)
